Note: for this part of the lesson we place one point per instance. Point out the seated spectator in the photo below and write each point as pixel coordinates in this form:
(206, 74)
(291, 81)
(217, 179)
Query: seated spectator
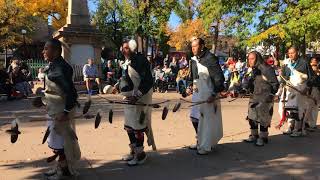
(174, 66)
(19, 82)
(13, 63)
(167, 76)
(41, 74)
(159, 79)
(5, 85)
(181, 79)
(110, 73)
(25, 69)
(90, 73)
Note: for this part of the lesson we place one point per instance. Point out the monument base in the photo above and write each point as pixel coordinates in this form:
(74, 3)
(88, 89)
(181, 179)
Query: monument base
(81, 42)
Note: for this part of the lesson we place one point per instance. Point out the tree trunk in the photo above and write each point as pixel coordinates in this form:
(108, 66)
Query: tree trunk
(6, 63)
(216, 37)
(303, 46)
(146, 45)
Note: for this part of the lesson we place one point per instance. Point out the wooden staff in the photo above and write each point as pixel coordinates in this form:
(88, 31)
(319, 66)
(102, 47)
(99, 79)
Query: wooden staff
(154, 105)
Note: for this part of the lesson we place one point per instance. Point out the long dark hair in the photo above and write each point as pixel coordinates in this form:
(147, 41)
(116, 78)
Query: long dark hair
(259, 59)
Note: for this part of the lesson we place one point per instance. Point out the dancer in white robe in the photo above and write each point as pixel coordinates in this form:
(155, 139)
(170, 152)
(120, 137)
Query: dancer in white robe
(208, 78)
(136, 86)
(298, 74)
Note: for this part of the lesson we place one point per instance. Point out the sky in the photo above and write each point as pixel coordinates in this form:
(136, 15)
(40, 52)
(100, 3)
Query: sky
(174, 20)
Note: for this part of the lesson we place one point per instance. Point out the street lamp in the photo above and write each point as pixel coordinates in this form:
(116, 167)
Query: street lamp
(24, 32)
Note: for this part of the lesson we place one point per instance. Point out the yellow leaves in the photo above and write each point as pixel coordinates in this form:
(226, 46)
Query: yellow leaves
(276, 30)
(180, 38)
(57, 9)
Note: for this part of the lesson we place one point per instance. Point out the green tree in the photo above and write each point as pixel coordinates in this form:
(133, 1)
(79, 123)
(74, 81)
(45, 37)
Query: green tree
(225, 17)
(13, 18)
(144, 19)
(110, 20)
(287, 22)
(186, 9)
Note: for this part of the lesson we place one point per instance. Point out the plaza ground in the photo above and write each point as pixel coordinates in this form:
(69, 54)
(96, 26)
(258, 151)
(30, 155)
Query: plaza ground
(283, 158)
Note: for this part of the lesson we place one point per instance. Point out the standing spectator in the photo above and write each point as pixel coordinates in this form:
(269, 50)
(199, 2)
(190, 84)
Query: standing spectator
(25, 69)
(239, 65)
(182, 79)
(14, 63)
(234, 83)
(158, 60)
(315, 66)
(167, 76)
(183, 62)
(41, 74)
(90, 73)
(313, 106)
(226, 74)
(159, 79)
(110, 73)
(166, 60)
(230, 61)
(174, 66)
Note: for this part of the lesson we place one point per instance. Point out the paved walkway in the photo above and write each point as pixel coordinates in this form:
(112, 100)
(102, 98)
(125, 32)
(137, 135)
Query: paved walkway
(283, 158)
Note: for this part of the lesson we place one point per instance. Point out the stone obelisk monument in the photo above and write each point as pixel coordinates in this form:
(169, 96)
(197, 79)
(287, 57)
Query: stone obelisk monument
(83, 40)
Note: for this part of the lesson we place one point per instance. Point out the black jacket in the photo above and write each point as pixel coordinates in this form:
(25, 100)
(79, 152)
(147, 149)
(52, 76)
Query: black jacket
(60, 72)
(140, 64)
(210, 61)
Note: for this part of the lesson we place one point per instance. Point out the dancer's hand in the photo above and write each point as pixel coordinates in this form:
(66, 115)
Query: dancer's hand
(188, 92)
(131, 99)
(63, 117)
(211, 99)
(115, 91)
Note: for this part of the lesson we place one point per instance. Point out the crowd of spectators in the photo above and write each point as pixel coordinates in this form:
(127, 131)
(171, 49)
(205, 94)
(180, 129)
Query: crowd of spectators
(172, 73)
(16, 81)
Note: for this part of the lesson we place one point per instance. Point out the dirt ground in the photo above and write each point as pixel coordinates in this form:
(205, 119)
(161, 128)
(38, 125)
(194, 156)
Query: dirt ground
(283, 158)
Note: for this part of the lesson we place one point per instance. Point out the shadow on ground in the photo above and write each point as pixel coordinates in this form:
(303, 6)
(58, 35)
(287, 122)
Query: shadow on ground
(283, 158)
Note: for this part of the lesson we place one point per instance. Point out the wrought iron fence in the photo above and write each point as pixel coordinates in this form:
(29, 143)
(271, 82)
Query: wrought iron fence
(35, 64)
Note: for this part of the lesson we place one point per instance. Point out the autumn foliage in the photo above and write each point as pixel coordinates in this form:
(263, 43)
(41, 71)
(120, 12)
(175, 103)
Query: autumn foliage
(181, 36)
(56, 9)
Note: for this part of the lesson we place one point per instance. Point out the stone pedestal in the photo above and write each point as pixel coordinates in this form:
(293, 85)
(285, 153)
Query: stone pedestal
(82, 43)
(82, 40)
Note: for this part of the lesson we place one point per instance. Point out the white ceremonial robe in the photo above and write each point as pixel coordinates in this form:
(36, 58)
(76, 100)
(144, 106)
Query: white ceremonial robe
(195, 110)
(132, 112)
(313, 108)
(55, 141)
(210, 129)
